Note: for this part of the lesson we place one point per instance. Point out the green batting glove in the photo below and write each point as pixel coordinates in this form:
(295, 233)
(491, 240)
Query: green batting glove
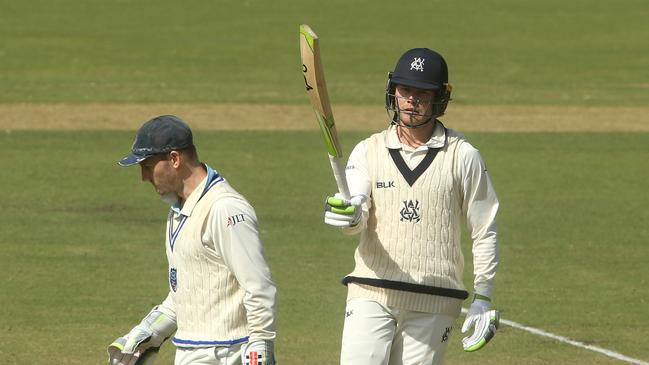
(341, 212)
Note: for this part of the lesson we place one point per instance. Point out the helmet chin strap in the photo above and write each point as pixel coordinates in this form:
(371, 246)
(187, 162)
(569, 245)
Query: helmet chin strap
(415, 126)
(401, 123)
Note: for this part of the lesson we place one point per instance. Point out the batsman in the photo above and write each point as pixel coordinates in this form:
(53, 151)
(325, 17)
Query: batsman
(411, 186)
(221, 303)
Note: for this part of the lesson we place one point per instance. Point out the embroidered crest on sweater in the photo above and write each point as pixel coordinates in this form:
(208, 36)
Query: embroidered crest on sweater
(410, 211)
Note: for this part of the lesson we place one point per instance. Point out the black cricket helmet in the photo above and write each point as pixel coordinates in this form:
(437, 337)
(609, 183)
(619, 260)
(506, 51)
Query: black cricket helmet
(421, 68)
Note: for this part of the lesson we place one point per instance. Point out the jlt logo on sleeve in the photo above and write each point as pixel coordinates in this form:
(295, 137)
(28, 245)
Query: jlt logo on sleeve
(410, 211)
(234, 219)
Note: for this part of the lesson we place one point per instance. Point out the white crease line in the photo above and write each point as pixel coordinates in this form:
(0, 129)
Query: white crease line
(582, 345)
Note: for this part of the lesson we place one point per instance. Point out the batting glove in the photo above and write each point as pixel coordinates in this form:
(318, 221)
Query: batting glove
(154, 329)
(340, 212)
(117, 357)
(485, 322)
(258, 353)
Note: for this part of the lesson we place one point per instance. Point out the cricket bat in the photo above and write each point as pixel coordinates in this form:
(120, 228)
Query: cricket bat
(316, 88)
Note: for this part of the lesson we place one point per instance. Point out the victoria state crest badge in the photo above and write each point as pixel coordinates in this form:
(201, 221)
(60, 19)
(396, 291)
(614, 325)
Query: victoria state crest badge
(410, 211)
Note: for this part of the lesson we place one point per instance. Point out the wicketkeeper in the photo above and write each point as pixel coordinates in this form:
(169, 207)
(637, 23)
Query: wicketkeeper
(412, 185)
(221, 303)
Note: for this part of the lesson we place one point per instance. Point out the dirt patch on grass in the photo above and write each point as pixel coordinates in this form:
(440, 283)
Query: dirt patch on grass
(300, 117)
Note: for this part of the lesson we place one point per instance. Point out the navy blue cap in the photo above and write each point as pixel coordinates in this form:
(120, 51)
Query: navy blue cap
(159, 135)
(422, 68)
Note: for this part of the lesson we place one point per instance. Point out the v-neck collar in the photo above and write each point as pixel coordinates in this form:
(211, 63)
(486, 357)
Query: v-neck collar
(437, 141)
(213, 178)
(203, 187)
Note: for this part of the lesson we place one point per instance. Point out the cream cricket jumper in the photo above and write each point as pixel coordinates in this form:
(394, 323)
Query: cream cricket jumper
(410, 234)
(221, 291)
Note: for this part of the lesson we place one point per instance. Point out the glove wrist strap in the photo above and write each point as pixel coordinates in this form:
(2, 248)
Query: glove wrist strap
(481, 297)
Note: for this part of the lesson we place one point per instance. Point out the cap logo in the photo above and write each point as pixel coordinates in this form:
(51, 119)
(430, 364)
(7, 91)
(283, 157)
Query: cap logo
(417, 64)
(142, 150)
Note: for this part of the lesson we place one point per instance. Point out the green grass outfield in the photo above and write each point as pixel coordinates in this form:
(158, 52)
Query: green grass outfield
(81, 244)
(83, 257)
(578, 52)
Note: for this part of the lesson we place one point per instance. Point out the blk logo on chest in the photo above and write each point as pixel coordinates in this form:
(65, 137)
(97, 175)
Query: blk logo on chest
(237, 218)
(384, 184)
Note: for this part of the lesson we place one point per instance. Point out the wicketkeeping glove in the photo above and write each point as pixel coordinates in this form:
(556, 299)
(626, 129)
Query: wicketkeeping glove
(485, 322)
(340, 212)
(154, 329)
(259, 352)
(140, 346)
(117, 357)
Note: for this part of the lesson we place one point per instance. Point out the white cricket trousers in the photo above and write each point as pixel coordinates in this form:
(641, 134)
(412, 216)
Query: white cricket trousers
(230, 355)
(377, 335)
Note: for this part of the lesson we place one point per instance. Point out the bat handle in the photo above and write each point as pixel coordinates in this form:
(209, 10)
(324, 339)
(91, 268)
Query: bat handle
(339, 174)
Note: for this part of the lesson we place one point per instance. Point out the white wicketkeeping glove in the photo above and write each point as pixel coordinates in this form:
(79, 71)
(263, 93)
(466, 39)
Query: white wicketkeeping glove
(140, 346)
(117, 357)
(340, 212)
(485, 322)
(258, 353)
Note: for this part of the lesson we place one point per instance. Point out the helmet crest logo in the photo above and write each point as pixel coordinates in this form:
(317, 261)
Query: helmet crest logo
(417, 64)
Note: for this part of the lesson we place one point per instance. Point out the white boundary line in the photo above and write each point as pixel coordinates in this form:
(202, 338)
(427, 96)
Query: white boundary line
(562, 339)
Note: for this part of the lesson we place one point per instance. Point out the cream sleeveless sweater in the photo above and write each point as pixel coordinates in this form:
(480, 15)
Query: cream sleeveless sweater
(413, 232)
(207, 298)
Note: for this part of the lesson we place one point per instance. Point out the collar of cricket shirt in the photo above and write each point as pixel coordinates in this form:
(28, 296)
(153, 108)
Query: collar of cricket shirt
(208, 182)
(437, 140)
